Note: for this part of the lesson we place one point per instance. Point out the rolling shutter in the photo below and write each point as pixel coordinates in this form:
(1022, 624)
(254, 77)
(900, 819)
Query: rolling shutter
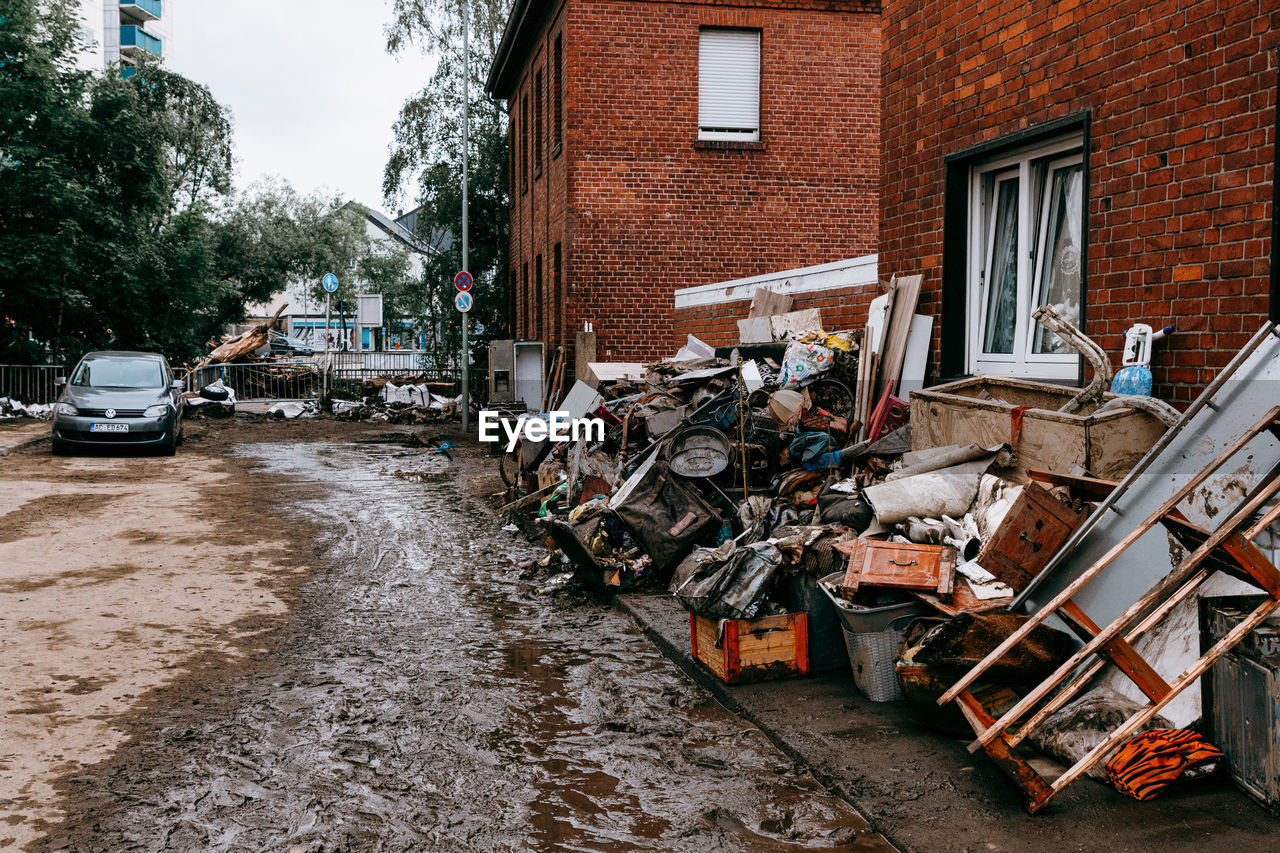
(729, 84)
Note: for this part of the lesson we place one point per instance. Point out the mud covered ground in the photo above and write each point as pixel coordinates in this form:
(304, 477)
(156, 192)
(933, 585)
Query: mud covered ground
(417, 690)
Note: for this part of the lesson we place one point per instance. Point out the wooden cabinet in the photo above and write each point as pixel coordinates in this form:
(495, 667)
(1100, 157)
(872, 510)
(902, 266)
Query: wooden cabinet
(899, 565)
(1035, 527)
(752, 649)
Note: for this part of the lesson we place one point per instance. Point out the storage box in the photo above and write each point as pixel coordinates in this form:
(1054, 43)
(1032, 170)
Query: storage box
(981, 411)
(1240, 693)
(1032, 531)
(759, 649)
(826, 641)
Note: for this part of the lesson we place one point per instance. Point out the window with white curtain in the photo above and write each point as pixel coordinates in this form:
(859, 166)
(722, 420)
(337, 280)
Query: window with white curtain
(729, 85)
(1025, 249)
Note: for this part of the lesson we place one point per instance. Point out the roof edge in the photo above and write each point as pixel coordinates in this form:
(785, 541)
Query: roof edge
(500, 81)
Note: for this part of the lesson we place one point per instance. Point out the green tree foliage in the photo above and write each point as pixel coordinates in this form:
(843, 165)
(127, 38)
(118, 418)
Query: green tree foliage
(117, 227)
(426, 161)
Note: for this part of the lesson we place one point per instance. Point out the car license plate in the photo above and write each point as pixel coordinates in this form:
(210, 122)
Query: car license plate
(108, 428)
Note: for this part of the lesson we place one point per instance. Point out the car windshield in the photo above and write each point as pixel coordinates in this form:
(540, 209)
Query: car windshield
(119, 373)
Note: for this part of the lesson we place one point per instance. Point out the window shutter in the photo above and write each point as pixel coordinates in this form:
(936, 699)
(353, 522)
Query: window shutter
(729, 84)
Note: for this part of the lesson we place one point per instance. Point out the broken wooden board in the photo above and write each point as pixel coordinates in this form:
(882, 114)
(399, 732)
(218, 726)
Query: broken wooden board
(766, 303)
(906, 296)
(244, 344)
(613, 371)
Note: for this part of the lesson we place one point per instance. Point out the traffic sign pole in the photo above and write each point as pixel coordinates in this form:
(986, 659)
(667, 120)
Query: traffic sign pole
(466, 131)
(330, 284)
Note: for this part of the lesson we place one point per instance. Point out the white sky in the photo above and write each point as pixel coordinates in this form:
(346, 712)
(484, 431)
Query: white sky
(312, 91)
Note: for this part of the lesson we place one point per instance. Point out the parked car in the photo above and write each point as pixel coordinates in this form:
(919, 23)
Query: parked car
(119, 398)
(282, 344)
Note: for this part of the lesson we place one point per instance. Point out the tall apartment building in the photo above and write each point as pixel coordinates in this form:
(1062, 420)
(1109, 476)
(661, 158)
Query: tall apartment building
(122, 30)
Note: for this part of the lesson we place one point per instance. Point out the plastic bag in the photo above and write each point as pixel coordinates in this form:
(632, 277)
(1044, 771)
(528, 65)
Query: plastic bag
(803, 363)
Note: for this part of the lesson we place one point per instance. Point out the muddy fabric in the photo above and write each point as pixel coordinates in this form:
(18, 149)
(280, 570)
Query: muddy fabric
(1075, 729)
(666, 516)
(732, 588)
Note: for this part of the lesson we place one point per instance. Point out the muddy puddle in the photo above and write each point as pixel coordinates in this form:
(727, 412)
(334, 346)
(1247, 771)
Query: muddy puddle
(425, 697)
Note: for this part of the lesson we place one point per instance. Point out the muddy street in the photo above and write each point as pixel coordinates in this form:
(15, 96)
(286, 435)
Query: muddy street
(427, 692)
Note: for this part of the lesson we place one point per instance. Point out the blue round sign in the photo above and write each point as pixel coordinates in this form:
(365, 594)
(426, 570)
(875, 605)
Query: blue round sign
(462, 302)
(330, 282)
(463, 281)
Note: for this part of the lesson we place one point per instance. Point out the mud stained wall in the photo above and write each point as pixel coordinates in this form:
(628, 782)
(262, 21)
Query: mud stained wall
(640, 207)
(1181, 100)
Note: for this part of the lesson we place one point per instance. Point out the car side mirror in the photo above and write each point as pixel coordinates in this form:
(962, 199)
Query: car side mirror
(60, 382)
(178, 385)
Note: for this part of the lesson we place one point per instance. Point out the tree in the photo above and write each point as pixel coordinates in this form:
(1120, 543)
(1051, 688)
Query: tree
(426, 158)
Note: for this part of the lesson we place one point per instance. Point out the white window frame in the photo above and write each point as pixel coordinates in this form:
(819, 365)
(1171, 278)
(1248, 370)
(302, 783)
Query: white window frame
(722, 134)
(1022, 362)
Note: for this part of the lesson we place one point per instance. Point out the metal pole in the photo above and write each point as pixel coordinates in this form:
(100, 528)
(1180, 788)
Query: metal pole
(328, 348)
(466, 133)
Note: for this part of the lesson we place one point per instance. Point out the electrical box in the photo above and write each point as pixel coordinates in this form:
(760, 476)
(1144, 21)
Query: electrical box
(517, 373)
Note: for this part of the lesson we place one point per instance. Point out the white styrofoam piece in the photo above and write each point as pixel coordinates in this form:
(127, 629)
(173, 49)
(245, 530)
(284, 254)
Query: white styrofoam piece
(877, 319)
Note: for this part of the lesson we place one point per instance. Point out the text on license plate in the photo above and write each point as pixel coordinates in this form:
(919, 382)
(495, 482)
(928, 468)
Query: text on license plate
(108, 428)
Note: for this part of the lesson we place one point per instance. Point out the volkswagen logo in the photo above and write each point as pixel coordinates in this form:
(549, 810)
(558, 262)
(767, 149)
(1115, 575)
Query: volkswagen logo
(111, 413)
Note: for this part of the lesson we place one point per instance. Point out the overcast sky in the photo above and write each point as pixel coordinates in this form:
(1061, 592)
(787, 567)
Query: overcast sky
(311, 89)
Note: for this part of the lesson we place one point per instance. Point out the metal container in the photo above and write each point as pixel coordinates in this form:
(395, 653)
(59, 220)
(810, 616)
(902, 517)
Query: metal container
(698, 451)
(1240, 694)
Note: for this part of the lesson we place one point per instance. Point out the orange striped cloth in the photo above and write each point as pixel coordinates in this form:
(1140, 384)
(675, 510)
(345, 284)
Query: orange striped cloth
(1148, 763)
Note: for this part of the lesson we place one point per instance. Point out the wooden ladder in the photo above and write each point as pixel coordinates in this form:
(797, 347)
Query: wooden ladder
(1228, 548)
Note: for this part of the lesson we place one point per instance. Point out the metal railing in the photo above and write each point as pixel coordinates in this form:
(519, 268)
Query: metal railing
(393, 361)
(261, 383)
(30, 383)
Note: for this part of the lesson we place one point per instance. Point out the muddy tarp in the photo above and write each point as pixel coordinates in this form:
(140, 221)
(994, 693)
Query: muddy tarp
(726, 582)
(948, 491)
(664, 513)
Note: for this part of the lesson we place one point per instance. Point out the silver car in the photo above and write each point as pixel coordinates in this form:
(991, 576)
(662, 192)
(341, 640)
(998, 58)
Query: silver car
(119, 399)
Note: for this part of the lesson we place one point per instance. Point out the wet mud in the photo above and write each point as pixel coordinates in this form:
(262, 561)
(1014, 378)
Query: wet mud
(424, 696)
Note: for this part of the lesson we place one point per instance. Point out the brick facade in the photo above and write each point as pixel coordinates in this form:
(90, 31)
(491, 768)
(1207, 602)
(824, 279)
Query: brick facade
(1179, 101)
(639, 207)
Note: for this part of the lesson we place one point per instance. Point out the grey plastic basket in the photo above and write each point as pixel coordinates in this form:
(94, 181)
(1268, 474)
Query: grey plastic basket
(872, 658)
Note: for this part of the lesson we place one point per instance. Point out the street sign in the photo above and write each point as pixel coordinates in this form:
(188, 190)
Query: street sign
(330, 282)
(463, 281)
(462, 302)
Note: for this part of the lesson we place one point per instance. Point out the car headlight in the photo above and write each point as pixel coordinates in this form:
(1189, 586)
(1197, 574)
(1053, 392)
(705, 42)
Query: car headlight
(65, 409)
(157, 411)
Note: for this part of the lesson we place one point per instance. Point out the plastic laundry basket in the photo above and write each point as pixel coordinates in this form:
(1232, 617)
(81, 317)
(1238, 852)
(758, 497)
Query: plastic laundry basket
(872, 657)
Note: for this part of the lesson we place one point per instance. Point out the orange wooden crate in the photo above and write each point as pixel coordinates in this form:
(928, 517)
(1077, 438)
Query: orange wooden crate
(753, 649)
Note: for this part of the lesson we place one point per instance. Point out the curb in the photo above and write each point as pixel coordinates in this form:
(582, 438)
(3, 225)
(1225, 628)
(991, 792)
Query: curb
(683, 658)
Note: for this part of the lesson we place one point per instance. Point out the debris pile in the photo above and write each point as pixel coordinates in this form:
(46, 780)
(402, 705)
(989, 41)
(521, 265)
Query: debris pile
(409, 399)
(813, 506)
(10, 408)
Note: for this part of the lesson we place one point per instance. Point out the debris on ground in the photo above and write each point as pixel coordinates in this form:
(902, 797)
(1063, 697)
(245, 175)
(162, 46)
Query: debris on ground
(783, 486)
(10, 408)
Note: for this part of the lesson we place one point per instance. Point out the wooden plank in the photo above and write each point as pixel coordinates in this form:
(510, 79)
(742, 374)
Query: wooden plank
(905, 298)
(766, 303)
(1119, 652)
(1136, 722)
(1086, 488)
(1032, 784)
(1156, 594)
(1105, 560)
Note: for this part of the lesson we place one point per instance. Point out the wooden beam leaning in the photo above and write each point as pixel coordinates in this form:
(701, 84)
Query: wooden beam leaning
(1156, 594)
(1090, 573)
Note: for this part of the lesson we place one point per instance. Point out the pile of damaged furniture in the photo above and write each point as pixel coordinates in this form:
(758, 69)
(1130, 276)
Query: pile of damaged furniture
(814, 507)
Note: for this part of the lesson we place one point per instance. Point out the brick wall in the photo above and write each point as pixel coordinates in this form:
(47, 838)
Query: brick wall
(643, 210)
(1181, 97)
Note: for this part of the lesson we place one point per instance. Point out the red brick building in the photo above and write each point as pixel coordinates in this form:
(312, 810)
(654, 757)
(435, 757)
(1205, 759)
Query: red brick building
(660, 145)
(1117, 160)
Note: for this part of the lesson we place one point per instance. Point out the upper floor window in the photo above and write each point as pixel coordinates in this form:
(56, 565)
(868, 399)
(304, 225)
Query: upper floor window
(1026, 240)
(729, 85)
(524, 143)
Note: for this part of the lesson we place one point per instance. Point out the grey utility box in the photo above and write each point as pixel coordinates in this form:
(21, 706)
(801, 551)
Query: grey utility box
(1240, 694)
(516, 373)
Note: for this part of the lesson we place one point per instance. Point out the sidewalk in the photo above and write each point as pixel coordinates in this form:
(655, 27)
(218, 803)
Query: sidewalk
(924, 791)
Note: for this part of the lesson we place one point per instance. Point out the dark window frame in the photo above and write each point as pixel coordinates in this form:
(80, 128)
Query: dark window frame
(538, 110)
(1274, 308)
(955, 232)
(524, 142)
(557, 103)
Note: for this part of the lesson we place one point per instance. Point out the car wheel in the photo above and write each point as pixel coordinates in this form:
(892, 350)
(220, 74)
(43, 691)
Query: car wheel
(170, 447)
(61, 448)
